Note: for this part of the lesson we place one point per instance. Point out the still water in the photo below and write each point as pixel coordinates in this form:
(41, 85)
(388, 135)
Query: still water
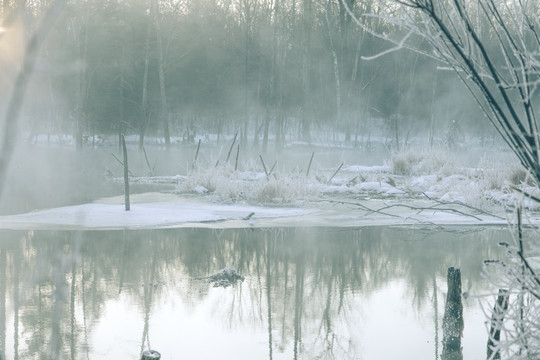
(371, 293)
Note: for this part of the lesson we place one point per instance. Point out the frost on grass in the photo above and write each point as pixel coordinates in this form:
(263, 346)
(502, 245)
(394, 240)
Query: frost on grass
(250, 185)
(415, 174)
(225, 278)
(439, 176)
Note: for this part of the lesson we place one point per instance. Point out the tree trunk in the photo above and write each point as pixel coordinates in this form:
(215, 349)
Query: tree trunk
(162, 89)
(265, 131)
(144, 102)
(306, 75)
(81, 86)
(121, 118)
(453, 318)
(335, 66)
(126, 173)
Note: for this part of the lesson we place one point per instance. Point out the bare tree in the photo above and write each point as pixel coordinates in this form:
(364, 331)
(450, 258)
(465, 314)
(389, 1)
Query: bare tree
(492, 45)
(162, 89)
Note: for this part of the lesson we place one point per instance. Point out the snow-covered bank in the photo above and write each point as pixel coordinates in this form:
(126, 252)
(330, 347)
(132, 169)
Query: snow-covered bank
(159, 211)
(152, 210)
(411, 188)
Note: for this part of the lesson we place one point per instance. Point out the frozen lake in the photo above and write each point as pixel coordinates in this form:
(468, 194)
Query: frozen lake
(365, 293)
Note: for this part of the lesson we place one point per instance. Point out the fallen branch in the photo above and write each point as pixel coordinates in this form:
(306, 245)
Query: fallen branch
(465, 205)
(363, 207)
(429, 208)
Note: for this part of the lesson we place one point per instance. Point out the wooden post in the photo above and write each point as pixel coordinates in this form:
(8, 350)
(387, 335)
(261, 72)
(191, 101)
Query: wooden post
(150, 355)
(196, 155)
(453, 318)
(126, 173)
(310, 161)
(237, 154)
(497, 317)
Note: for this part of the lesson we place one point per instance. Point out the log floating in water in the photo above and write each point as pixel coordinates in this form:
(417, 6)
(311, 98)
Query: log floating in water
(150, 355)
(453, 318)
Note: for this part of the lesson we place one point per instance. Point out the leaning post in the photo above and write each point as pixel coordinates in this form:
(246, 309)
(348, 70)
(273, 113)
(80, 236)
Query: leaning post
(126, 173)
(453, 318)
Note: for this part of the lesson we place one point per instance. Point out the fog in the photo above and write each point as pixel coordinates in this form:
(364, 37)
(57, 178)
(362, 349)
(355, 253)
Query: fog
(287, 79)
(258, 114)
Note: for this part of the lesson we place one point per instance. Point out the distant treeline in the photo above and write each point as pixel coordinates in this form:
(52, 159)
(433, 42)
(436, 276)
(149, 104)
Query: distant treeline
(270, 69)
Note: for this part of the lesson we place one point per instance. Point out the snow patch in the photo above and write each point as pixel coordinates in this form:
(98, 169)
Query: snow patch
(111, 214)
(368, 169)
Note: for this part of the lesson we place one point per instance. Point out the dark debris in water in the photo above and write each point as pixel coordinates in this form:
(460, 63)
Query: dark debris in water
(225, 278)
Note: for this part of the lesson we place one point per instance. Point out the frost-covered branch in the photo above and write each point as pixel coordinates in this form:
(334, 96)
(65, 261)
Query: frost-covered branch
(492, 46)
(493, 52)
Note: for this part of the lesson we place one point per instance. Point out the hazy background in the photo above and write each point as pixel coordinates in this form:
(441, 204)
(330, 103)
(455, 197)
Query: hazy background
(283, 75)
(287, 69)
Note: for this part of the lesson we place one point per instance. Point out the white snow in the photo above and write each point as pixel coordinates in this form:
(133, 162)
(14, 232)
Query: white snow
(379, 187)
(174, 212)
(222, 199)
(367, 169)
(154, 211)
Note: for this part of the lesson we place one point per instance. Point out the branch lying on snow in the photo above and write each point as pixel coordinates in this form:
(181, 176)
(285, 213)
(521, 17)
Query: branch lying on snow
(419, 209)
(363, 207)
(464, 205)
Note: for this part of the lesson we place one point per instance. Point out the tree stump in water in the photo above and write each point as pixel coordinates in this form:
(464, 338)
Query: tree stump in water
(150, 355)
(453, 318)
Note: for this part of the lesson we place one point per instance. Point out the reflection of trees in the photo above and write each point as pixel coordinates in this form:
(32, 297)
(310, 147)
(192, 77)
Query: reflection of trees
(302, 285)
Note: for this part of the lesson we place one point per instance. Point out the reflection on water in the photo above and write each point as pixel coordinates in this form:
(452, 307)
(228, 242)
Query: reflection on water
(370, 293)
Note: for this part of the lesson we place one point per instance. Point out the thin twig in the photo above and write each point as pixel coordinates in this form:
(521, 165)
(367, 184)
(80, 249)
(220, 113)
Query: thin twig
(150, 170)
(232, 145)
(117, 159)
(264, 166)
(465, 205)
(335, 173)
(430, 208)
(363, 207)
(271, 169)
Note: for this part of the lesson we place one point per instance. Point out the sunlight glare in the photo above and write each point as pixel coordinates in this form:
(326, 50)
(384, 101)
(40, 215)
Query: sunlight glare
(2, 30)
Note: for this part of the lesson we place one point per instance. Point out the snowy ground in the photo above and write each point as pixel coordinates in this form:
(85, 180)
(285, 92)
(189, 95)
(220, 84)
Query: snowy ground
(154, 210)
(253, 200)
(409, 188)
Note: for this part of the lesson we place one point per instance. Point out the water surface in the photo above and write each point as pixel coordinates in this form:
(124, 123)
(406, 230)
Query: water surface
(309, 293)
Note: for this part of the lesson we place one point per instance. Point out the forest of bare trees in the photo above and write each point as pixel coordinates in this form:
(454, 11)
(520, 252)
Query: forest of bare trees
(273, 70)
